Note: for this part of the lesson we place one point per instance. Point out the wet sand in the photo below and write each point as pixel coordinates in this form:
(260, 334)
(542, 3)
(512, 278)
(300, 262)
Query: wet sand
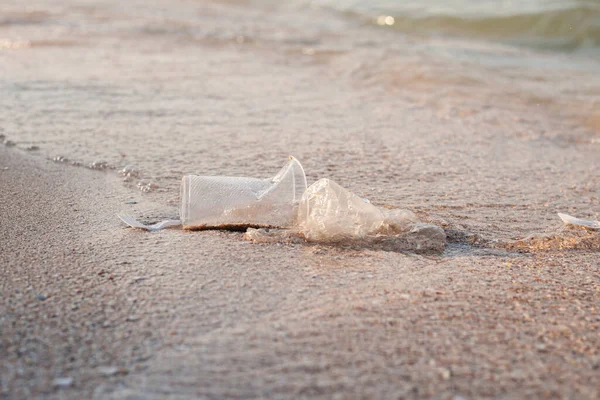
(490, 152)
(175, 314)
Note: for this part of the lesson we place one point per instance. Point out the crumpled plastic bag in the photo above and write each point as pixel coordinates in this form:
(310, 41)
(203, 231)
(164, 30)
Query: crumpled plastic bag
(328, 213)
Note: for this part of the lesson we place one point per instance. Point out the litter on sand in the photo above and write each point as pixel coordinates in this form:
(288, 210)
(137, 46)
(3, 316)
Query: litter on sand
(224, 202)
(283, 208)
(132, 222)
(231, 202)
(570, 220)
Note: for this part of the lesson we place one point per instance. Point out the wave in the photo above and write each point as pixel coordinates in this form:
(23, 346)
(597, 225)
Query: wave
(573, 26)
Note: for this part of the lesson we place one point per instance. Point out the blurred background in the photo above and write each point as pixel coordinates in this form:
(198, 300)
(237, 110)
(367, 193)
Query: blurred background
(200, 86)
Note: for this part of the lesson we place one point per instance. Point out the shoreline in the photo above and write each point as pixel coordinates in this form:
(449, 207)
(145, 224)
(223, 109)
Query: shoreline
(224, 96)
(477, 139)
(173, 313)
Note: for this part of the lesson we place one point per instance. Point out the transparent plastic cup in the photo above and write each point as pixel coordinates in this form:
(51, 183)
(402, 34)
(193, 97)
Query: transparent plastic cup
(209, 202)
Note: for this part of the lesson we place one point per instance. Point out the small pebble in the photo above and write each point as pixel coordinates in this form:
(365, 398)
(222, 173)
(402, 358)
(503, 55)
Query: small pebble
(32, 148)
(131, 202)
(540, 347)
(99, 164)
(130, 171)
(60, 159)
(41, 297)
(146, 185)
(9, 143)
(63, 382)
(445, 373)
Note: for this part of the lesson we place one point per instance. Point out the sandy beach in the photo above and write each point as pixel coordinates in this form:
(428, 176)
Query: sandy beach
(128, 314)
(487, 141)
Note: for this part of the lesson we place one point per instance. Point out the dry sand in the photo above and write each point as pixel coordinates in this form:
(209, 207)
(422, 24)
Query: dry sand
(174, 314)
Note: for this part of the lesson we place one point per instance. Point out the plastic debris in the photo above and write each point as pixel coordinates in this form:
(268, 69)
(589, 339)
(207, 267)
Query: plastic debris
(397, 221)
(283, 209)
(236, 202)
(329, 212)
(562, 239)
(421, 238)
(570, 220)
(219, 202)
(132, 222)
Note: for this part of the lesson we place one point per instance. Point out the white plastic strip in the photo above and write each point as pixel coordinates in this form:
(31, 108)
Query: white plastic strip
(132, 222)
(567, 219)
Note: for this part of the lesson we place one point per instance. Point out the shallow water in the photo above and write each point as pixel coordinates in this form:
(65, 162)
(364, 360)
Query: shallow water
(564, 25)
(460, 126)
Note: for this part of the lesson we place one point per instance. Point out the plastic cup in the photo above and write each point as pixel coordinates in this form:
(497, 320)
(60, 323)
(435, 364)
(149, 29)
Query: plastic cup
(223, 202)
